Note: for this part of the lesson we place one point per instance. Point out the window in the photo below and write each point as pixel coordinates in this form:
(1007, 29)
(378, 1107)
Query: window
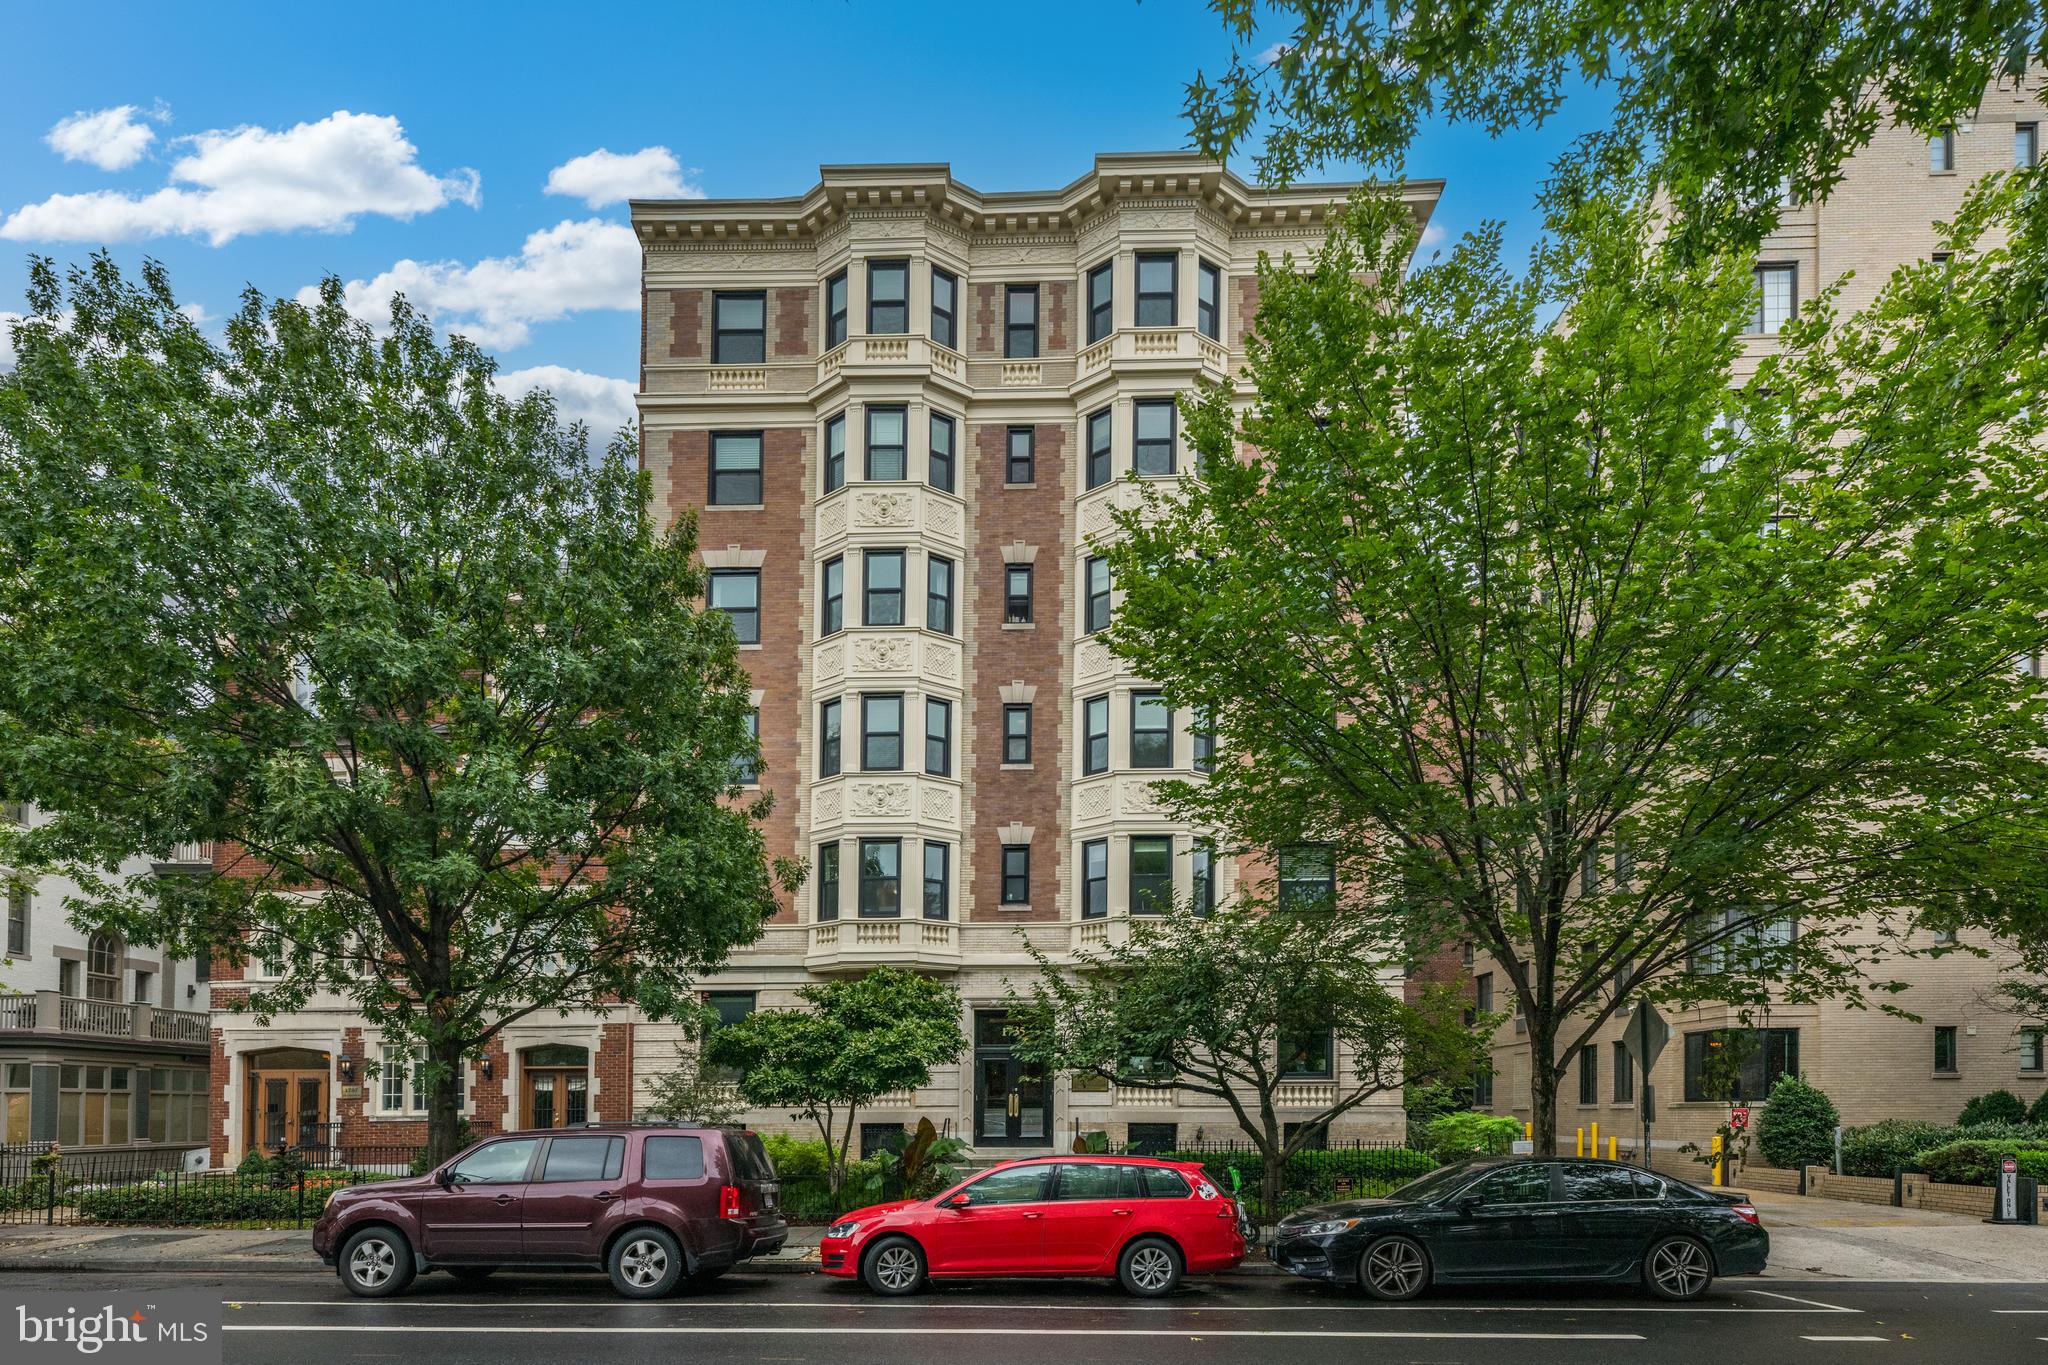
(1731, 1065)
(881, 732)
(940, 469)
(1017, 594)
(1202, 878)
(1624, 1074)
(1101, 297)
(672, 1158)
(938, 737)
(735, 469)
(498, 1163)
(1095, 735)
(880, 889)
(177, 1106)
(1523, 1183)
(1151, 731)
(1307, 1053)
(746, 768)
(737, 593)
(2026, 145)
(1589, 873)
(403, 1086)
(1098, 448)
(945, 309)
(1158, 278)
(1091, 1180)
(937, 856)
(1589, 1075)
(835, 310)
(67, 977)
(1016, 874)
(17, 899)
(1777, 296)
(1017, 732)
(1482, 1090)
(1148, 1139)
(1202, 731)
(835, 453)
(888, 297)
(1739, 942)
(1152, 440)
(1598, 1184)
(103, 967)
(739, 328)
(1012, 1185)
(95, 1105)
(1095, 879)
(828, 882)
(1021, 466)
(882, 588)
(584, 1158)
(1482, 992)
(938, 595)
(1151, 874)
(1095, 614)
(1208, 300)
(1020, 321)
(1308, 877)
(886, 458)
(1941, 152)
(2031, 1049)
(832, 597)
(1945, 1049)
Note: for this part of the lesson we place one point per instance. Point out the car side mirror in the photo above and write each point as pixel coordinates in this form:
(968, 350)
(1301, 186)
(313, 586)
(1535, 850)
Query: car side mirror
(446, 1178)
(1470, 1203)
(959, 1201)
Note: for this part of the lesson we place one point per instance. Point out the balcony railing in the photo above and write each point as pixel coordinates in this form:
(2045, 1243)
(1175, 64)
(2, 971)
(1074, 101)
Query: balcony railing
(47, 1012)
(859, 943)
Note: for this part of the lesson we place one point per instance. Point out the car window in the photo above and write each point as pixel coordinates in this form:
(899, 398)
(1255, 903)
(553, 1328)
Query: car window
(497, 1163)
(1090, 1180)
(1649, 1186)
(1519, 1184)
(584, 1158)
(1161, 1183)
(1435, 1183)
(1598, 1184)
(1014, 1185)
(749, 1158)
(672, 1158)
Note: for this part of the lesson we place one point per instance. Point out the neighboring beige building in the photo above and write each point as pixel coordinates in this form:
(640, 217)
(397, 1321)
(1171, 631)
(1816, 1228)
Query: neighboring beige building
(901, 409)
(1874, 1066)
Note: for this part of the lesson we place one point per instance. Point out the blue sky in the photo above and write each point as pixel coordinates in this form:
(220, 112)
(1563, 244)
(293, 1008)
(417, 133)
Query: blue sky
(415, 145)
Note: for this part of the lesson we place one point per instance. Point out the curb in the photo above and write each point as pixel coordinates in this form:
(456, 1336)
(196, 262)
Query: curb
(311, 1265)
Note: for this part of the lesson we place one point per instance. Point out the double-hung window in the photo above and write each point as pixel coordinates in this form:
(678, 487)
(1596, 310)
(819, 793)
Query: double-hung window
(1016, 874)
(1151, 874)
(881, 887)
(1095, 879)
(1096, 616)
(1020, 321)
(1208, 300)
(1101, 301)
(882, 588)
(835, 310)
(938, 737)
(938, 594)
(1099, 426)
(885, 448)
(1306, 1053)
(1941, 152)
(1202, 731)
(1589, 1075)
(888, 297)
(828, 881)
(1021, 458)
(881, 732)
(1152, 435)
(1017, 732)
(735, 469)
(739, 328)
(1017, 594)
(835, 452)
(1308, 877)
(746, 768)
(832, 596)
(2026, 145)
(1158, 282)
(828, 738)
(737, 593)
(937, 861)
(1777, 296)
(16, 892)
(1202, 877)
(1095, 735)
(1151, 731)
(945, 309)
(941, 467)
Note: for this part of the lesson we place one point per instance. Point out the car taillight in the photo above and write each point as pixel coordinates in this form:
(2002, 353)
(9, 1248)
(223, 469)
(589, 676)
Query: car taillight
(1229, 1209)
(1747, 1213)
(728, 1201)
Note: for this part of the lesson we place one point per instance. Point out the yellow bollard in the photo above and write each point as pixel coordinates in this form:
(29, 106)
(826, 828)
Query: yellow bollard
(1594, 1146)
(1717, 1158)
(1613, 1148)
(1528, 1131)
(1582, 1141)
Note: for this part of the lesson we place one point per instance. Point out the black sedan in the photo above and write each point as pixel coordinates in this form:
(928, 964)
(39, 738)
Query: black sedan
(1528, 1219)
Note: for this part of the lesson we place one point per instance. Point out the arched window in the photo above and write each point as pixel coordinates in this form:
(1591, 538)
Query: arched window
(103, 967)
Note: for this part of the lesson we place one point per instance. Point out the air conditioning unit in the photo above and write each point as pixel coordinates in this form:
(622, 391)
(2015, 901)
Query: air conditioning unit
(196, 1160)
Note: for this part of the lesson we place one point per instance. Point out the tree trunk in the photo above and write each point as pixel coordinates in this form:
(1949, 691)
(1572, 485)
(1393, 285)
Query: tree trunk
(444, 1109)
(1543, 1078)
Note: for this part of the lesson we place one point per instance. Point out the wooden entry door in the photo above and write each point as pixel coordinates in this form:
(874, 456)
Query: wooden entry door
(287, 1108)
(556, 1097)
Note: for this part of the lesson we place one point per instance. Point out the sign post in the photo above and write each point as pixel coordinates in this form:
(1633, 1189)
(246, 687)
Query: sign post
(1643, 1039)
(2006, 1209)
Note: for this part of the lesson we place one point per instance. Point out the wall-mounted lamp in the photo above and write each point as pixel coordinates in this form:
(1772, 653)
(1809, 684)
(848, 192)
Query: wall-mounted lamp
(487, 1068)
(348, 1067)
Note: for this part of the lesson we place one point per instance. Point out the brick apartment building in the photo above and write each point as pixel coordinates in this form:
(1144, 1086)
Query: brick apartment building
(1873, 1066)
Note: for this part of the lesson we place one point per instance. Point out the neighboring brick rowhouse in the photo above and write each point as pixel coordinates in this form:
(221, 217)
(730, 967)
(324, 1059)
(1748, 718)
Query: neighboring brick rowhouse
(986, 337)
(1443, 967)
(1055, 316)
(1031, 516)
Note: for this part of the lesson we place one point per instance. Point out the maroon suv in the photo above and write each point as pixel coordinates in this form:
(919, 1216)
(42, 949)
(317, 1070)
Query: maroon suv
(652, 1204)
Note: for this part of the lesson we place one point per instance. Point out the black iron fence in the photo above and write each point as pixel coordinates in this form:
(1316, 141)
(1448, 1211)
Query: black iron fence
(284, 1190)
(1336, 1170)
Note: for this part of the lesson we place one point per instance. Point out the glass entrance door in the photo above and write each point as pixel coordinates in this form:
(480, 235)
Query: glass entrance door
(557, 1099)
(288, 1108)
(1011, 1099)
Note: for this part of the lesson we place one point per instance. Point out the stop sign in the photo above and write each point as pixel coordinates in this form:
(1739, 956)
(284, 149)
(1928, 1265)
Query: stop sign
(1738, 1117)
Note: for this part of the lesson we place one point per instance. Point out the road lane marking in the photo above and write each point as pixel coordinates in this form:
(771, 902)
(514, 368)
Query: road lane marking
(1845, 1338)
(686, 1305)
(934, 1332)
(1813, 1303)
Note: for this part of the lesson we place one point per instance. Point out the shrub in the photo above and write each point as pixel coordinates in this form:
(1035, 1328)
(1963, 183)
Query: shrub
(1888, 1147)
(1974, 1161)
(1797, 1127)
(1997, 1106)
(2038, 1111)
(1455, 1135)
(795, 1158)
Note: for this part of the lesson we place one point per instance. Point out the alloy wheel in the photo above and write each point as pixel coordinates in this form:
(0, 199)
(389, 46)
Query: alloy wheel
(373, 1263)
(644, 1263)
(1394, 1269)
(1680, 1268)
(896, 1267)
(1151, 1268)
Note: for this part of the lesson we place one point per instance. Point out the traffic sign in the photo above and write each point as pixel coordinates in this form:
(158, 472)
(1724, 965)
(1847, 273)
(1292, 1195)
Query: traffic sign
(1738, 1117)
(1645, 1035)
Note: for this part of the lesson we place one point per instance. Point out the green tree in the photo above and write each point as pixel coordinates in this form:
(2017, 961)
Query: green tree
(1994, 1106)
(860, 1037)
(1645, 681)
(1797, 1126)
(1739, 100)
(322, 596)
(1234, 1007)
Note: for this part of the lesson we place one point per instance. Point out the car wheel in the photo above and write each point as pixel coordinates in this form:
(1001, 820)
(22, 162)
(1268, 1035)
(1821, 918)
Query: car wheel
(1149, 1267)
(376, 1263)
(1677, 1268)
(472, 1274)
(1393, 1269)
(646, 1263)
(893, 1266)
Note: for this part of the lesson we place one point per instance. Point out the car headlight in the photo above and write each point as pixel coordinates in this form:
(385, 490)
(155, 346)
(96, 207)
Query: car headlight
(845, 1228)
(1327, 1229)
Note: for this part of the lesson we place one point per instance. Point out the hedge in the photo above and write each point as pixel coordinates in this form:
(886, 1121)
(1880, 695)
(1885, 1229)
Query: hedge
(1975, 1161)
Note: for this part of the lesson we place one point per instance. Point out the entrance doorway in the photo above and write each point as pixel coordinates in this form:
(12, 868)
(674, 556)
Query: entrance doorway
(1012, 1102)
(287, 1100)
(556, 1090)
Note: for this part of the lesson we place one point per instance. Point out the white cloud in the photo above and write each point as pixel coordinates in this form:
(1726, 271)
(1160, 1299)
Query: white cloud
(321, 175)
(604, 405)
(7, 352)
(1433, 236)
(603, 177)
(111, 139)
(1273, 53)
(571, 267)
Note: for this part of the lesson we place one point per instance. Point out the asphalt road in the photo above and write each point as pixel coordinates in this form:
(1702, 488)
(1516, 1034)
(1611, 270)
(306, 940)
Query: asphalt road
(289, 1319)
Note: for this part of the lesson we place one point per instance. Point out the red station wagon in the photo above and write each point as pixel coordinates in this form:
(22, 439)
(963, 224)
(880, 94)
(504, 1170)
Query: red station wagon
(651, 1204)
(1143, 1221)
